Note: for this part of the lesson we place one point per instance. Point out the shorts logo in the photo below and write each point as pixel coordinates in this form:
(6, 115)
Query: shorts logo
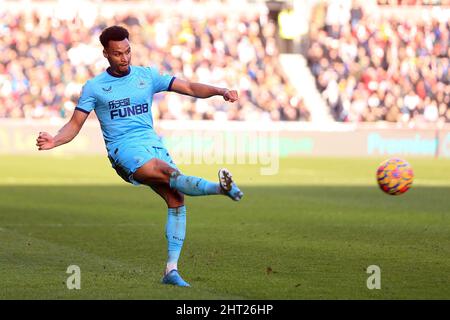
(138, 159)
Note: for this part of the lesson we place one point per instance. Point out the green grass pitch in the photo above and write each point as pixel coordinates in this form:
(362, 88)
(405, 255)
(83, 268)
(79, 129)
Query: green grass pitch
(309, 232)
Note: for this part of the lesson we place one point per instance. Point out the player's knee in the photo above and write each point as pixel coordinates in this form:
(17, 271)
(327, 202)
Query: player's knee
(154, 171)
(164, 170)
(173, 173)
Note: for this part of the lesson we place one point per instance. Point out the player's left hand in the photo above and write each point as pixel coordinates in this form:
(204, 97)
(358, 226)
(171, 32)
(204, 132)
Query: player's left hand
(45, 141)
(230, 95)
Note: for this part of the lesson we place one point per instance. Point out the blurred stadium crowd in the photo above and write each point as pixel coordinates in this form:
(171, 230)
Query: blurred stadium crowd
(45, 62)
(380, 69)
(366, 69)
(414, 2)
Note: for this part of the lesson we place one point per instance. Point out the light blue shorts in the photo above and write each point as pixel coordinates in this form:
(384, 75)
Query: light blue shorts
(127, 159)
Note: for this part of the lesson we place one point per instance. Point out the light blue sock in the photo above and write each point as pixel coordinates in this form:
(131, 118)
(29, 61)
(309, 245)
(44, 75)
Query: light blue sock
(175, 233)
(193, 186)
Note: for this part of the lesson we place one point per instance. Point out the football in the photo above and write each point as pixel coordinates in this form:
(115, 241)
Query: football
(395, 176)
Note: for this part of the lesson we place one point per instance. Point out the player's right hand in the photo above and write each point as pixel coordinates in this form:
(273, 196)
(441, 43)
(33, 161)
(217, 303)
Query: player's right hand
(45, 141)
(230, 95)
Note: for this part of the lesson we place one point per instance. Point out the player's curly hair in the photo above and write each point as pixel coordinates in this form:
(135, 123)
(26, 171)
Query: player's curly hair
(114, 33)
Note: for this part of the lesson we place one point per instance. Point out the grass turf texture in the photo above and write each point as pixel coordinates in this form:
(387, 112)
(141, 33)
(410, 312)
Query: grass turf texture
(309, 232)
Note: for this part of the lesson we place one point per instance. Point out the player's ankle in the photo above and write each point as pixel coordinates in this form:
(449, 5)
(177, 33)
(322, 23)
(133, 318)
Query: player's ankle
(170, 266)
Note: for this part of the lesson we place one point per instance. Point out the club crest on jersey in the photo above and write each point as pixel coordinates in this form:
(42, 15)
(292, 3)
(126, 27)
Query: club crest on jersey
(142, 84)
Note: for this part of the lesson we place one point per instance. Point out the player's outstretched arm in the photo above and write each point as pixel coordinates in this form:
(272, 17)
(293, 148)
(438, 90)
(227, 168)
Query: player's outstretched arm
(46, 141)
(200, 90)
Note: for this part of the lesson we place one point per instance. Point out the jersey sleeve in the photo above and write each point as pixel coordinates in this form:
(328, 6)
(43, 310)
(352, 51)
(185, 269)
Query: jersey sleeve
(161, 82)
(87, 100)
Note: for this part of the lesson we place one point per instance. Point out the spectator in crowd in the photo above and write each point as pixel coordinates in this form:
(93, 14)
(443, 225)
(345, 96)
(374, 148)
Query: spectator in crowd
(387, 69)
(46, 59)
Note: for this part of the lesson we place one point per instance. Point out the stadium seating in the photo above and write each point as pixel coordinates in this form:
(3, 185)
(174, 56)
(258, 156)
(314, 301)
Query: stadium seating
(385, 69)
(367, 69)
(46, 59)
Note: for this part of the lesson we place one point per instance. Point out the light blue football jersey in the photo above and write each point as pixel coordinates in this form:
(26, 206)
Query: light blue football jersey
(123, 105)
